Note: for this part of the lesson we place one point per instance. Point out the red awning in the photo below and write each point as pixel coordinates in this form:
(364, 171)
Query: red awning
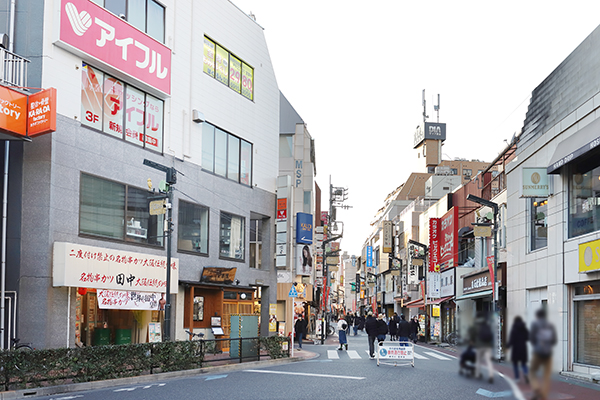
(440, 300)
(415, 303)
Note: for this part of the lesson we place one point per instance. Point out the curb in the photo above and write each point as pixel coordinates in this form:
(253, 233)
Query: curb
(78, 387)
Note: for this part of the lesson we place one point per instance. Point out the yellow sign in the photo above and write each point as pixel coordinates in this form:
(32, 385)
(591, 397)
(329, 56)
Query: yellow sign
(272, 317)
(435, 311)
(482, 231)
(589, 256)
(157, 207)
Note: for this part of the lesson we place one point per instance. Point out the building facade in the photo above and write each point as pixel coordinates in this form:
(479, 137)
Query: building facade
(188, 86)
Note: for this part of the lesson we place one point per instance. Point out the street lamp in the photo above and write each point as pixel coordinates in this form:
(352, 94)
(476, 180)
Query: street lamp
(494, 207)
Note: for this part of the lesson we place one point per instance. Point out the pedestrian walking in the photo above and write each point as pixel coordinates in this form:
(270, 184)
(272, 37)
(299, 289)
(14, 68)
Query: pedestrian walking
(371, 328)
(543, 339)
(517, 342)
(414, 329)
(300, 329)
(342, 325)
(355, 323)
(382, 328)
(393, 326)
(348, 319)
(403, 329)
(361, 323)
(482, 336)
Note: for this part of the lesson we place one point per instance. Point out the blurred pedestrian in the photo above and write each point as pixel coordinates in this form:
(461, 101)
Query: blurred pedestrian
(403, 329)
(300, 329)
(361, 323)
(517, 341)
(348, 319)
(355, 323)
(382, 328)
(371, 328)
(414, 329)
(393, 326)
(482, 336)
(342, 325)
(543, 338)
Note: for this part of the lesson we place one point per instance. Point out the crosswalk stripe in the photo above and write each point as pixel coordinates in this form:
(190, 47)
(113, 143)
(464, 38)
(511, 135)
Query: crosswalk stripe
(436, 355)
(419, 356)
(353, 354)
(332, 354)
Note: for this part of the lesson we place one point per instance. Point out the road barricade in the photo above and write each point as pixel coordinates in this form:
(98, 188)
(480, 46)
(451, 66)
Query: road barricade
(396, 353)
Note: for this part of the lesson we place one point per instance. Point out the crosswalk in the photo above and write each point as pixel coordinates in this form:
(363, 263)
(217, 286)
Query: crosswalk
(421, 354)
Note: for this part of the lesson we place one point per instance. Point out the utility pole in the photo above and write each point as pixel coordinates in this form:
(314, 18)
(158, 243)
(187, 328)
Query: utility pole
(171, 179)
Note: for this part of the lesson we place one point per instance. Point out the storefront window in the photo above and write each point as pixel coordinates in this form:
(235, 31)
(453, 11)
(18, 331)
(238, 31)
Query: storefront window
(232, 236)
(538, 217)
(584, 198)
(587, 336)
(255, 243)
(192, 234)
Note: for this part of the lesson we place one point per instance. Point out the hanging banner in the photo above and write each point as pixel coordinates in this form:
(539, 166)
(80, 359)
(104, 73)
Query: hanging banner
(434, 244)
(121, 300)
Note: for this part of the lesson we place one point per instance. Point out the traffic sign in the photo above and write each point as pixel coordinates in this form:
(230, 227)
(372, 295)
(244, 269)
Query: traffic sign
(293, 292)
(157, 207)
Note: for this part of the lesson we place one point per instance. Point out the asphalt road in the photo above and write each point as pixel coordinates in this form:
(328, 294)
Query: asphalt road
(333, 374)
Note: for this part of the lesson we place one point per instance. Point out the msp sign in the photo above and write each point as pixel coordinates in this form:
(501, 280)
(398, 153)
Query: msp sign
(304, 228)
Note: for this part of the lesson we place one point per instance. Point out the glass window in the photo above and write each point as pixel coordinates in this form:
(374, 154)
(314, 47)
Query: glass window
(106, 205)
(220, 152)
(587, 342)
(209, 57)
(208, 147)
(584, 198)
(233, 159)
(246, 163)
(156, 21)
(256, 243)
(136, 14)
(539, 223)
(228, 69)
(120, 110)
(102, 206)
(117, 7)
(307, 201)
(192, 228)
(286, 146)
(231, 241)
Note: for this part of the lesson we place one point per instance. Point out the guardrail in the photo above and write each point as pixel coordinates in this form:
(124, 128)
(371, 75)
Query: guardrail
(13, 69)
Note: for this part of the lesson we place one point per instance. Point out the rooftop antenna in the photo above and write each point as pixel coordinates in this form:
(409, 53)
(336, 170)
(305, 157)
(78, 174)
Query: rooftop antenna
(437, 108)
(425, 116)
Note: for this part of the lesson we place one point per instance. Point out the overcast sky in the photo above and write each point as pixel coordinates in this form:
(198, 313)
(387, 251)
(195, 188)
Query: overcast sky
(355, 72)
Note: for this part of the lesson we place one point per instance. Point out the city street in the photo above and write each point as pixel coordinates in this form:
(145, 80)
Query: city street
(331, 374)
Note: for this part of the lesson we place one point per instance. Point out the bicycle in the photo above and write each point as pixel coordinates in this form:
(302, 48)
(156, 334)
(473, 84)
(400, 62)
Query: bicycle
(452, 339)
(17, 346)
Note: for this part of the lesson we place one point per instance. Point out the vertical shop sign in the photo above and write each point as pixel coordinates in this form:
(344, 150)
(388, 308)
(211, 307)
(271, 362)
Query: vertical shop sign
(42, 113)
(449, 238)
(434, 244)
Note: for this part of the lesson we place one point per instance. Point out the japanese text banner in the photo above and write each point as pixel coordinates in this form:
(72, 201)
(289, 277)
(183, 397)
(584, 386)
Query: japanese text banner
(76, 265)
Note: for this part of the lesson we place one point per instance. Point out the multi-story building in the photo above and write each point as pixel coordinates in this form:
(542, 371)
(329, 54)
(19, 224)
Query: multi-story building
(553, 230)
(187, 87)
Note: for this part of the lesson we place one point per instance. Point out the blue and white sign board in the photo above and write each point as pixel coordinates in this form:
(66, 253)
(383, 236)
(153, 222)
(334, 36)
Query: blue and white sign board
(369, 256)
(293, 292)
(304, 228)
(402, 353)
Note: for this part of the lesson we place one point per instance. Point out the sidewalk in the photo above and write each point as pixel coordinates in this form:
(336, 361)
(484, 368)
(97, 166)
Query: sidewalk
(562, 387)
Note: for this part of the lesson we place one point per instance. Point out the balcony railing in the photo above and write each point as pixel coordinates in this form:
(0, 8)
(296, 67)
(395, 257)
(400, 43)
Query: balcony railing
(13, 69)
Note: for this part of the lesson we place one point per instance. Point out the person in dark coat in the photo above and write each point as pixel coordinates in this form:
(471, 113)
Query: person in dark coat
(382, 328)
(403, 329)
(361, 323)
(371, 328)
(349, 319)
(517, 340)
(414, 329)
(300, 329)
(393, 326)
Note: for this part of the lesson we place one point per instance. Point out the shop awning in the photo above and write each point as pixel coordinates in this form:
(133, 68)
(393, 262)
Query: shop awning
(440, 300)
(575, 146)
(415, 303)
(476, 295)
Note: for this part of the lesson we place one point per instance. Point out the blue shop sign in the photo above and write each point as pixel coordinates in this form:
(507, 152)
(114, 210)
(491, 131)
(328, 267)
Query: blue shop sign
(304, 228)
(369, 256)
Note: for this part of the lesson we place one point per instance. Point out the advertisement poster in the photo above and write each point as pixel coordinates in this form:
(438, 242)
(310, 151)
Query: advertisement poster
(235, 73)
(304, 260)
(123, 300)
(222, 65)
(134, 117)
(434, 244)
(272, 317)
(113, 107)
(209, 57)
(91, 97)
(247, 81)
(154, 332)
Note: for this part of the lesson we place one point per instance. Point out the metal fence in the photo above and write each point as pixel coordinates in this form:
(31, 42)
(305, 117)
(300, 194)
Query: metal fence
(13, 69)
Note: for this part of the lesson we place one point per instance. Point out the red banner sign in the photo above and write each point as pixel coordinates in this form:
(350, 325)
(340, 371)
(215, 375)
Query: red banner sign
(449, 239)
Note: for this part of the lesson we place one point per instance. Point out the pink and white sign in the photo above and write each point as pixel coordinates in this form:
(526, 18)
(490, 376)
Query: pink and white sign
(120, 300)
(76, 265)
(449, 239)
(93, 30)
(434, 245)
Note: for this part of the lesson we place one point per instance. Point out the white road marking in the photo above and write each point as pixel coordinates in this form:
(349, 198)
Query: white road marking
(125, 390)
(305, 374)
(353, 354)
(66, 398)
(419, 356)
(333, 354)
(439, 357)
